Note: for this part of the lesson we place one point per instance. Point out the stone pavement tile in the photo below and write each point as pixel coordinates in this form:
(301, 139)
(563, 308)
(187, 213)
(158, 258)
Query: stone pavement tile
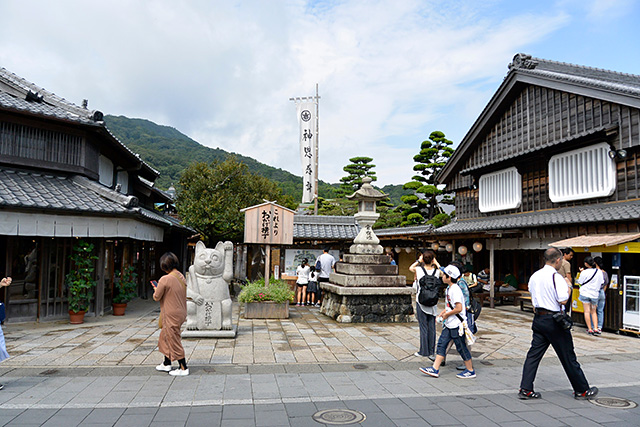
(577, 421)
(395, 409)
(104, 415)
(272, 418)
(301, 409)
(457, 408)
(137, 420)
(119, 397)
(516, 424)
(410, 422)
(33, 416)
(67, 417)
(539, 418)
(200, 419)
(176, 415)
(9, 414)
(376, 419)
(475, 421)
(437, 417)
(244, 412)
(598, 414)
(498, 414)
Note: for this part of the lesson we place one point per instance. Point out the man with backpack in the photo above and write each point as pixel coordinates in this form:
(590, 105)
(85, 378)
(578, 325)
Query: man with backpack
(427, 286)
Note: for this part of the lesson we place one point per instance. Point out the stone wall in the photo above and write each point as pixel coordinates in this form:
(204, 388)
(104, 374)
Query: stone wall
(368, 308)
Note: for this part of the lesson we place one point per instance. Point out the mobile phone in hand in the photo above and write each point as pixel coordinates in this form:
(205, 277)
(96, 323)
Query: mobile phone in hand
(154, 284)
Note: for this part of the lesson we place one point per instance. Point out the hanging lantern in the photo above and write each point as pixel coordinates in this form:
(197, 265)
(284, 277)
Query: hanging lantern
(398, 249)
(435, 246)
(462, 250)
(408, 250)
(449, 247)
(477, 246)
(388, 249)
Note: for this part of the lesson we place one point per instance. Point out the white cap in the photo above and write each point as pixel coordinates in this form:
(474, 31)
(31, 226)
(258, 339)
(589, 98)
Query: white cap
(451, 271)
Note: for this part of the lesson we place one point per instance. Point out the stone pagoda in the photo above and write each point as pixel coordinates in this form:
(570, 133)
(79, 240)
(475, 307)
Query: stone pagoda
(365, 286)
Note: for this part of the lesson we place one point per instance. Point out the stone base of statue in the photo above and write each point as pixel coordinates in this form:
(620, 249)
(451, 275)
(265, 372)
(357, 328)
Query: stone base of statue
(211, 333)
(367, 289)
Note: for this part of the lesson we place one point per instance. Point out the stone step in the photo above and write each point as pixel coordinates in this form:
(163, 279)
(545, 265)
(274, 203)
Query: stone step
(367, 269)
(370, 281)
(365, 259)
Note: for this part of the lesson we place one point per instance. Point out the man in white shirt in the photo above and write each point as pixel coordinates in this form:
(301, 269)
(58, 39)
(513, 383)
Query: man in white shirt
(452, 317)
(548, 293)
(327, 262)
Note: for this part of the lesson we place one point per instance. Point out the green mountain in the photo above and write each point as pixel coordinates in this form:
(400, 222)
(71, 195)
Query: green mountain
(169, 151)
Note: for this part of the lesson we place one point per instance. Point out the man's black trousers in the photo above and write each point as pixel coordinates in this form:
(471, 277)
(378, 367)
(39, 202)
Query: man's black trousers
(546, 331)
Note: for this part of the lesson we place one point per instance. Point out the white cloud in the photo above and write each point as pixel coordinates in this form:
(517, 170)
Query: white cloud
(222, 72)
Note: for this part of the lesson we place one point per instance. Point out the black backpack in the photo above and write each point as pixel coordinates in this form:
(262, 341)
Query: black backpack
(429, 288)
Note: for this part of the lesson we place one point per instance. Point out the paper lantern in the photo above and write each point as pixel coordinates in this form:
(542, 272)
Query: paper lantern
(449, 247)
(477, 246)
(408, 250)
(462, 250)
(398, 249)
(435, 246)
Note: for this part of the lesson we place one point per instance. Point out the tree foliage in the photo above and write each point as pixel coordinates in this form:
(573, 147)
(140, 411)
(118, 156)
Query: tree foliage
(210, 197)
(424, 203)
(356, 170)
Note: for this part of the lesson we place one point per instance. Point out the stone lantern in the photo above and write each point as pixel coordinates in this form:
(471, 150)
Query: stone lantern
(366, 242)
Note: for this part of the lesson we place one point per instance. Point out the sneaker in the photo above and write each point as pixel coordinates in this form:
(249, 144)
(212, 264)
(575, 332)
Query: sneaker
(431, 372)
(432, 357)
(589, 332)
(179, 372)
(528, 394)
(1, 386)
(417, 354)
(586, 395)
(461, 367)
(597, 332)
(317, 304)
(163, 368)
(467, 374)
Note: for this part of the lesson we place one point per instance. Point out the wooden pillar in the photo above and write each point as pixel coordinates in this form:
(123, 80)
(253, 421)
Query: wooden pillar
(491, 273)
(100, 279)
(453, 251)
(267, 265)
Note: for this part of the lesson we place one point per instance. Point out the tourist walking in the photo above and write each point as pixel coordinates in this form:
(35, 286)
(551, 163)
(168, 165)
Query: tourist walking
(303, 280)
(171, 292)
(548, 293)
(602, 296)
(452, 329)
(426, 264)
(6, 281)
(590, 281)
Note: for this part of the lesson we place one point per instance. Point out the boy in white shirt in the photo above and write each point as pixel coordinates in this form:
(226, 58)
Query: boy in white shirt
(451, 330)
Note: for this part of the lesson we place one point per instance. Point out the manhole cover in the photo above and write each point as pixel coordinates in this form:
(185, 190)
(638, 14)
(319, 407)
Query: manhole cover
(360, 366)
(339, 416)
(614, 403)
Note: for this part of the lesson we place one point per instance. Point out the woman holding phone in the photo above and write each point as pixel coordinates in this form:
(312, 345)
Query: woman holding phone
(171, 291)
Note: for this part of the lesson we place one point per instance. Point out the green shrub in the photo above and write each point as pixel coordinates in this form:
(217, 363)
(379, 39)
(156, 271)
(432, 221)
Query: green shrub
(278, 291)
(79, 280)
(126, 285)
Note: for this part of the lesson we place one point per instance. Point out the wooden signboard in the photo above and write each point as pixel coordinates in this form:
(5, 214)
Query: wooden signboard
(268, 224)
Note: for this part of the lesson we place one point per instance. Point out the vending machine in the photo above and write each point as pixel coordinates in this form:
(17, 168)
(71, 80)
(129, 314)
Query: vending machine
(631, 303)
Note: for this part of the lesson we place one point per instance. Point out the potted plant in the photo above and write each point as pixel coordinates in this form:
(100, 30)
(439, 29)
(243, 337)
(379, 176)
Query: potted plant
(125, 289)
(270, 302)
(80, 282)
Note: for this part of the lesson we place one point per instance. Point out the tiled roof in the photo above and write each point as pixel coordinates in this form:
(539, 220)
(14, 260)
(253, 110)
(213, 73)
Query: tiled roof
(404, 231)
(324, 227)
(605, 212)
(52, 106)
(62, 194)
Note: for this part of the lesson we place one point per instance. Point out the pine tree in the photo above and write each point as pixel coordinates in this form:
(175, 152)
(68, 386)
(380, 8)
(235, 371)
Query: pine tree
(423, 205)
(357, 169)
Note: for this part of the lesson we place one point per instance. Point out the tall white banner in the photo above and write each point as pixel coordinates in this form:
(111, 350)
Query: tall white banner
(308, 143)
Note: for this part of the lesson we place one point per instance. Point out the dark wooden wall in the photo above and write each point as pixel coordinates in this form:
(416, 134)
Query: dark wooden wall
(539, 123)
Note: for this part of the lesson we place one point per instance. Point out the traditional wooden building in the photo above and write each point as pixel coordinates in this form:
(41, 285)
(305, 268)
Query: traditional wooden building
(554, 155)
(63, 177)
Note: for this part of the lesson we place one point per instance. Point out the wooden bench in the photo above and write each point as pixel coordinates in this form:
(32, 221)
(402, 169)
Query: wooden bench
(525, 301)
(498, 296)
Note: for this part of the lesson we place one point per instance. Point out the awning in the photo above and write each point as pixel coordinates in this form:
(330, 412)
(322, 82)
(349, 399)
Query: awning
(591, 240)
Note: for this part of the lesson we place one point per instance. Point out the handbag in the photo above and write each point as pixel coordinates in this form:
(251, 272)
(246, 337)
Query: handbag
(562, 318)
(3, 312)
(469, 338)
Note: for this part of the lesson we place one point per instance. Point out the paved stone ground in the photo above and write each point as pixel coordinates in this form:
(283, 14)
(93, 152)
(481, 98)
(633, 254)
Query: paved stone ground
(280, 373)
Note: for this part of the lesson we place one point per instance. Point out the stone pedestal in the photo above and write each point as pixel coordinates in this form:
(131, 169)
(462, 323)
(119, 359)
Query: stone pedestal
(366, 288)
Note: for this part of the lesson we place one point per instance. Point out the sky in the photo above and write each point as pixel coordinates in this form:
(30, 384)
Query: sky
(389, 72)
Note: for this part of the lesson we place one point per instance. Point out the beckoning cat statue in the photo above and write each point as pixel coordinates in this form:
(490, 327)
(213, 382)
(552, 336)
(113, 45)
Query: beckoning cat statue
(208, 300)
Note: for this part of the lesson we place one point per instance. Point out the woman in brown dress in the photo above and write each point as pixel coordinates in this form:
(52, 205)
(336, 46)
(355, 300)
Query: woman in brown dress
(171, 291)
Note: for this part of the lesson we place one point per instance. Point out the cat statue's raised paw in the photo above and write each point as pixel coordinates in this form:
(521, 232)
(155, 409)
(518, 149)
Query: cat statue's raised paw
(208, 300)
